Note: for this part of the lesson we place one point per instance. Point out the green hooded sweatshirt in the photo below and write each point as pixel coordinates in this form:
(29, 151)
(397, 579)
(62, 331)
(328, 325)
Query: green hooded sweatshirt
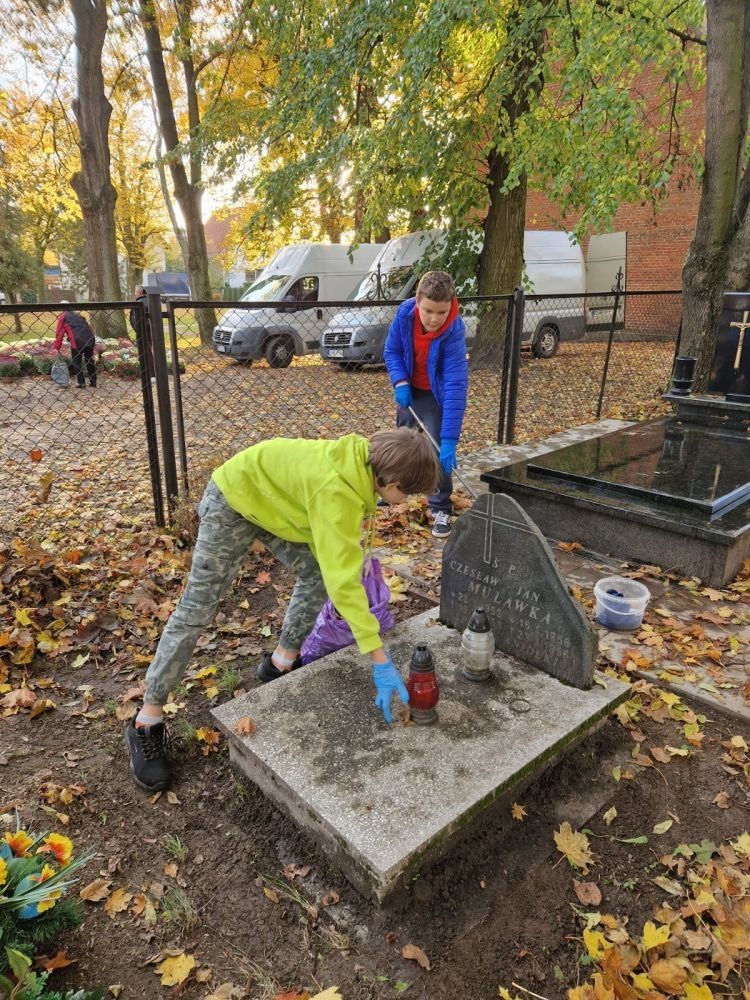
(316, 492)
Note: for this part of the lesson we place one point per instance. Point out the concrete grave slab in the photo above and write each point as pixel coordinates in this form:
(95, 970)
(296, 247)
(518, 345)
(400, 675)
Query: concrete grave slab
(383, 801)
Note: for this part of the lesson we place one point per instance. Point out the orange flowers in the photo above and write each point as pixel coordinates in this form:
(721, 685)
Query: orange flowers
(19, 842)
(3, 871)
(59, 846)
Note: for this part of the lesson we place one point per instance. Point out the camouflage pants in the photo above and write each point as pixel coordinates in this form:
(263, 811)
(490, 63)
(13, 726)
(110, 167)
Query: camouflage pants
(224, 539)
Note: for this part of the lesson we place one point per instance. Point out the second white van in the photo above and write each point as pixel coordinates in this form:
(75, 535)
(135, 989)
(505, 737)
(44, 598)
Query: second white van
(553, 266)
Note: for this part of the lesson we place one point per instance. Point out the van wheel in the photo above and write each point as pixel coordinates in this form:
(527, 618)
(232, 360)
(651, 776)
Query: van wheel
(546, 342)
(279, 352)
(351, 366)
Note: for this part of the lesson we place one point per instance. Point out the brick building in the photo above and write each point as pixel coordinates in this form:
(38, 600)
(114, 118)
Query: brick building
(658, 238)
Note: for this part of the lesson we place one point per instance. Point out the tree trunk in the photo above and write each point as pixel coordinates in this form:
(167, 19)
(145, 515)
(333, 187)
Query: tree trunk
(177, 229)
(18, 325)
(41, 288)
(187, 191)
(500, 262)
(501, 259)
(92, 183)
(719, 256)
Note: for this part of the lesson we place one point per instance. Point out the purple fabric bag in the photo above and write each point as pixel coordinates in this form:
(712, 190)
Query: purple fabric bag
(330, 632)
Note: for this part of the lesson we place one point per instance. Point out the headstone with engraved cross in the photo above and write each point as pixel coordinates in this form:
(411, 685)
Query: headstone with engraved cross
(730, 370)
(497, 559)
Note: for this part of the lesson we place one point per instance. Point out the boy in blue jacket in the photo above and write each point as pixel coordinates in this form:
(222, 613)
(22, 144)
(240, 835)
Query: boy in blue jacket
(425, 354)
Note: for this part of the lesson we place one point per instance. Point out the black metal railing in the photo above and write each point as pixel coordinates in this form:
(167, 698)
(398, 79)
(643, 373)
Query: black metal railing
(169, 406)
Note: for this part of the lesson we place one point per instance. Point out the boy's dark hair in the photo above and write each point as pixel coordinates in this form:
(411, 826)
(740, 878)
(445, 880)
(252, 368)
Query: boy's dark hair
(406, 457)
(436, 285)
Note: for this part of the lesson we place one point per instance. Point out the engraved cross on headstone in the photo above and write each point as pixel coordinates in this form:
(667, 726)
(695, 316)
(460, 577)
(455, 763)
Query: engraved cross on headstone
(492, 520)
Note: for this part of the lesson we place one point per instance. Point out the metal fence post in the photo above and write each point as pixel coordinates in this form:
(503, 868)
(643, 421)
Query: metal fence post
(143, 346)
(615, 307)
(177, 390)
(519, 300)
(162, 395)
(510, 304)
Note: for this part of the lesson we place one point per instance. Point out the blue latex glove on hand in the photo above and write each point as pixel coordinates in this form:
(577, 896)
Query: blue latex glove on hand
(403, 395)
(388, 682)
(448, 454)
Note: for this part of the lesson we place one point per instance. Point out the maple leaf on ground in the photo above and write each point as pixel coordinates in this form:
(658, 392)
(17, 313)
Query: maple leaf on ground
(175, 970)
(518, 812)
(263, 578)
(575, 846)
(59, 961)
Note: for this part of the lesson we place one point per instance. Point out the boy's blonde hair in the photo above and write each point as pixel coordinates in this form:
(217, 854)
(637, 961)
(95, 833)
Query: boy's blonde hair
(436, 285)
(406, 457)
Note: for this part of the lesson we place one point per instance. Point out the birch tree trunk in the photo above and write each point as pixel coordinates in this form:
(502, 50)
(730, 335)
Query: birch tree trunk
(187, 190)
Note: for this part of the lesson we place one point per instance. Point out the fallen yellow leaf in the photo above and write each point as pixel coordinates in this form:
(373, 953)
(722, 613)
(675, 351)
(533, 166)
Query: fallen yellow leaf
(174, 971)
(575, 846)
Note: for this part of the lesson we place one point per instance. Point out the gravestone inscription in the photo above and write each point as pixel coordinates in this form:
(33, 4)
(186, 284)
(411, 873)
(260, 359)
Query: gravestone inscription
(730, 369)
(496, 558)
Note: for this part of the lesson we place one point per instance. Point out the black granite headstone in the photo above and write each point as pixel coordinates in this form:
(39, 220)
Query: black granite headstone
(730, 370)
(497, 559)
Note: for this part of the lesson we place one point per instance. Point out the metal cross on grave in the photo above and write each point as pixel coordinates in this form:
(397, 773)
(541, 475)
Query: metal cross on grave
(492, 519)
(744, 325)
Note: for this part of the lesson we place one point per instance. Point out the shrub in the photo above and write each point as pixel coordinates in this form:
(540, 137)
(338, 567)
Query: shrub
(32, 985)
(35, 872)
(9, 366)
(43, 362)
(26, 364)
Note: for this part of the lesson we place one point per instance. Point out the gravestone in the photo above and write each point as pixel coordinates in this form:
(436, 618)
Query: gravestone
(497, 559)
(730, 370)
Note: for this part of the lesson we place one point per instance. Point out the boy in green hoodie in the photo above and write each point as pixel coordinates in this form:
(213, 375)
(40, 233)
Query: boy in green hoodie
(305, 500)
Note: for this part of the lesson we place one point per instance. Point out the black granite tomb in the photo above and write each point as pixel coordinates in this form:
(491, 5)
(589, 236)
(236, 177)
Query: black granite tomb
(674, 491)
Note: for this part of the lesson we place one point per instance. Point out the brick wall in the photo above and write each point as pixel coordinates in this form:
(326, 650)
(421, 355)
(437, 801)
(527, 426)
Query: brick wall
(658, 238)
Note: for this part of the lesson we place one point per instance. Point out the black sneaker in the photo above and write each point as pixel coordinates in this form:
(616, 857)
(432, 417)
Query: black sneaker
(268, 672)
(147, 747)
(382, 502)
(441, 526)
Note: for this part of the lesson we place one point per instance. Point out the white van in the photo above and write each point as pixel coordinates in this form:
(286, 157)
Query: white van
(298, 277)
(553, 266)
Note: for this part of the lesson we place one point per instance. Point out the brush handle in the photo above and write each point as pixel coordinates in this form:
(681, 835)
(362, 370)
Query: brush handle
(436, 446)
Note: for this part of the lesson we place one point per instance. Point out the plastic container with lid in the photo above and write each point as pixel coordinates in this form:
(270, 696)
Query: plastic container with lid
(620, 602)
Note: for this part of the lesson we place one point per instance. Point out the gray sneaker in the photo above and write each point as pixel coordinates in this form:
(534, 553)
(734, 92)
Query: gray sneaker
(441, 526)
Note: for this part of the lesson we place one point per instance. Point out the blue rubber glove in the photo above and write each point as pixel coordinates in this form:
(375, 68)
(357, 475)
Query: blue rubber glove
(388, 682)
(403, 395)
(448, 454)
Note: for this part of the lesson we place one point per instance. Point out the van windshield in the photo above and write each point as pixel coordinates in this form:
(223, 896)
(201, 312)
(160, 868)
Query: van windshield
(265, 289)
(393, 284)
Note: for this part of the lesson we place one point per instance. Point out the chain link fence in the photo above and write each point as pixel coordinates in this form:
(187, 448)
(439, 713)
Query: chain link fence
(168, 398)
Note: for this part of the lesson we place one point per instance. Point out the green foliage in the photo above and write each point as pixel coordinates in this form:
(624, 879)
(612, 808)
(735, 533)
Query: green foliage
(408, 105)
(30, 985)
(27, 936)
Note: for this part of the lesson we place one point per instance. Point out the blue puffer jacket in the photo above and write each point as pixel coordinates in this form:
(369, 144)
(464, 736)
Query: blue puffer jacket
(446, 365)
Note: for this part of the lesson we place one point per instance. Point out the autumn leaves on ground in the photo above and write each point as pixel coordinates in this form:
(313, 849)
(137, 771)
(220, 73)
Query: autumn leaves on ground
(623, 874)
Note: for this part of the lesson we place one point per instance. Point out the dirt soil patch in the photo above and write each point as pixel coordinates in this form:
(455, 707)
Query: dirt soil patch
(213, 871)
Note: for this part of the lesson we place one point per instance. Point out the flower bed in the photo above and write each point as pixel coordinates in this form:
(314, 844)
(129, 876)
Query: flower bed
(119, 357)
